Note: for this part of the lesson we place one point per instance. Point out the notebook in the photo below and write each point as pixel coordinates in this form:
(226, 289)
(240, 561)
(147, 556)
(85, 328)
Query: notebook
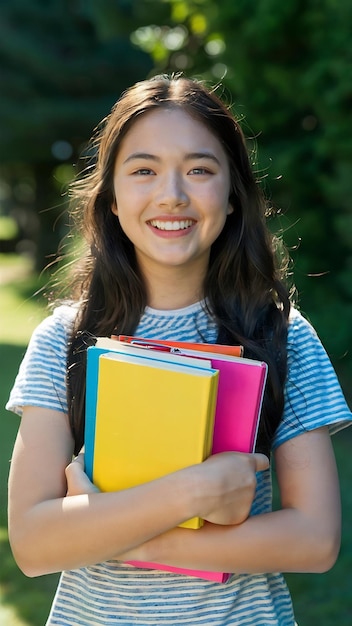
(147, 415)
(239, 401)
(240, 392)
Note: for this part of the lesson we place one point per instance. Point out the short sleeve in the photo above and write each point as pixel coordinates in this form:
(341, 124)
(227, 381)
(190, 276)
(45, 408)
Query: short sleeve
(41, 379)
(313, 396)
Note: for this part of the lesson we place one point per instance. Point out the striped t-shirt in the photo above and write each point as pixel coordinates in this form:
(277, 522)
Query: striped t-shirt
(112, 592)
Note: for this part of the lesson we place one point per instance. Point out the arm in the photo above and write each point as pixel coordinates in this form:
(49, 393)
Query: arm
(304, 536)
(50, 531)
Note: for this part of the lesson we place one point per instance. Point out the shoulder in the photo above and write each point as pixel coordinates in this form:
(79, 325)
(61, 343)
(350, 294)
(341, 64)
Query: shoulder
(299, 328)
(313, 396)
(62, 318)
(41, 379)
(304, 348)
(49, 341)
(56, 328)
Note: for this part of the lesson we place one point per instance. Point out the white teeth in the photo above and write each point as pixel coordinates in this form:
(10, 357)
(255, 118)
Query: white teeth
(174, 225)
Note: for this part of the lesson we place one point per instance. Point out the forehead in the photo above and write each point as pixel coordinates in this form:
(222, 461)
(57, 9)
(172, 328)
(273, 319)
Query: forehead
(169, 127)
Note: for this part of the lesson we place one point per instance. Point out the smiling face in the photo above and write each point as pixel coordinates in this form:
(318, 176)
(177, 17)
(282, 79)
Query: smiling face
(171, 187)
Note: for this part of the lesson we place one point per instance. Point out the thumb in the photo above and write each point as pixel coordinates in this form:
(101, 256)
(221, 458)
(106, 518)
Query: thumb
(77, 480)
(261, 462)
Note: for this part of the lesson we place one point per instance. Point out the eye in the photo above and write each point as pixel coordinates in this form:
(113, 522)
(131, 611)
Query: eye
(200, 171)
(143, 171)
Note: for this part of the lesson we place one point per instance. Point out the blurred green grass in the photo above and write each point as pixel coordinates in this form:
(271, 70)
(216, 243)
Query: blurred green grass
(323, 599)
(23, 601)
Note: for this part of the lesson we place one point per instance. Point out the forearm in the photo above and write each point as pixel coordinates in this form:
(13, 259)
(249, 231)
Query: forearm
(303, 536)
(285, 541)
(71, 532)
(50, 533)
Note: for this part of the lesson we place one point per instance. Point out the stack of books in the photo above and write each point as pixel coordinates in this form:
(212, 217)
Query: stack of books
(154, 407)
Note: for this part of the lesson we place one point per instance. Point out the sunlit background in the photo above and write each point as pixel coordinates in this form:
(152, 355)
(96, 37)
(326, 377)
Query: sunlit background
(285, 67)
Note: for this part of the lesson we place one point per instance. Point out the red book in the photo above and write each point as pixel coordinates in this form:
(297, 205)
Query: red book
(201, 347)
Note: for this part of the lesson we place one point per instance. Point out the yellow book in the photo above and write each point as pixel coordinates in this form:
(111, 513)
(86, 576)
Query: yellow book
(152, 418)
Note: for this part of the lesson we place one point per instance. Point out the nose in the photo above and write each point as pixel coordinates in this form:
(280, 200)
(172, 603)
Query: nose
(171, 190)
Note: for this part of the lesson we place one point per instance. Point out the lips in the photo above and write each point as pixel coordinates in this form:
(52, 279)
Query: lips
(171, 225)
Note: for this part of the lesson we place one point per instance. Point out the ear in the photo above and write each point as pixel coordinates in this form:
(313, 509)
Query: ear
(114, 208)
(230, 209)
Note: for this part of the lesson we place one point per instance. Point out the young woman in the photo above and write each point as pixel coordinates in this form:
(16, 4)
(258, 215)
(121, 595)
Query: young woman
(177, 248)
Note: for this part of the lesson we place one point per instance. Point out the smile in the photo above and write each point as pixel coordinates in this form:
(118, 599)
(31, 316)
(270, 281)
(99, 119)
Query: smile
(171, 225)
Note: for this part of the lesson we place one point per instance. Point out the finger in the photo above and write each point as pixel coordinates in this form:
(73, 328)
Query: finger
(77, 479)
(261, 462)
(79, 459)
(74, 469)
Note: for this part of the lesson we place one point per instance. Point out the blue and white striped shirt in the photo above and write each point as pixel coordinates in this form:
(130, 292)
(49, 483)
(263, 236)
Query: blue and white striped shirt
(112, 593)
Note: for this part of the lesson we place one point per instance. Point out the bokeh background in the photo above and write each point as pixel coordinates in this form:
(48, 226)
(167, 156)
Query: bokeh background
(286, 69)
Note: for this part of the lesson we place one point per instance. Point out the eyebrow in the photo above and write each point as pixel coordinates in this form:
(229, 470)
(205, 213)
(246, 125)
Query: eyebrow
(141, 155)
(189, 157)
(202, 155)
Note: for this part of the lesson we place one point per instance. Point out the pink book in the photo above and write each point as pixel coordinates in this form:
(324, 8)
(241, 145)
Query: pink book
(239, 401)
(217, 577)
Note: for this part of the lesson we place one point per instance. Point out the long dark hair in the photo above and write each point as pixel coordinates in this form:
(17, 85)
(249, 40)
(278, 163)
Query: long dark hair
(244, 286)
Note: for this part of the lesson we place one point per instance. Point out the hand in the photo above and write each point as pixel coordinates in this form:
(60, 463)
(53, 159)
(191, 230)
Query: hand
(78, 482)
(225, 486)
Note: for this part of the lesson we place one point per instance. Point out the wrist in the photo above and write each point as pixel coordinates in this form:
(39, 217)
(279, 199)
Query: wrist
(189, 491)
(164, 548)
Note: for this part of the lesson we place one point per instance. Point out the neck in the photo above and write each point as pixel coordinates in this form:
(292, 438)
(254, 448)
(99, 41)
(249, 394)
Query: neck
(173, 290)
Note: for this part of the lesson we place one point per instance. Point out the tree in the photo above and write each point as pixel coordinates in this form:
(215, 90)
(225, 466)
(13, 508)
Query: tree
(61, 68)
(289, 63)
(286, 69)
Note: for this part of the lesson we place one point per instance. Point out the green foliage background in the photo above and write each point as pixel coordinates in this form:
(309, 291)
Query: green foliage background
(284, 67)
